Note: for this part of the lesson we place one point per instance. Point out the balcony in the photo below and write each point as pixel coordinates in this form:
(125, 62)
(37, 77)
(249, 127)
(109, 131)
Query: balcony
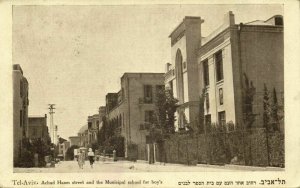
(170, 74)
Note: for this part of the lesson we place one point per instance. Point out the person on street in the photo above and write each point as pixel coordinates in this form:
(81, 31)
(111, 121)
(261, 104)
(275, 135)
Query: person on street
(91, 156)
(81, 158)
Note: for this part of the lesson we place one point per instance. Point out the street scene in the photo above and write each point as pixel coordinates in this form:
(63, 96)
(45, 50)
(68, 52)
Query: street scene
(148, 88)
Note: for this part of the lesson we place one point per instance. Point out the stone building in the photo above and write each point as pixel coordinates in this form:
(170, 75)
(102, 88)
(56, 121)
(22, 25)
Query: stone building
(221, 65)
(132, 108)
(20, 111)
(37, 128)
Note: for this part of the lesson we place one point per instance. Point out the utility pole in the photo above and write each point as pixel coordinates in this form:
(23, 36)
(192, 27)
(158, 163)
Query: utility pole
(55, 134)
(52, 130)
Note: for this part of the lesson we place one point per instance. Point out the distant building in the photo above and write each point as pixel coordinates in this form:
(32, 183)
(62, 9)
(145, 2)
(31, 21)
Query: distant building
(102, 112)
(63, 146)
(93, 128)
(74, 140)
(37, 128)
(222, 65)
(83, 135)
(20, 111)
(129, 110)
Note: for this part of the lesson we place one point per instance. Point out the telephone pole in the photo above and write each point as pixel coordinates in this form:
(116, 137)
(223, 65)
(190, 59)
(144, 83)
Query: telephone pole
(52, 129)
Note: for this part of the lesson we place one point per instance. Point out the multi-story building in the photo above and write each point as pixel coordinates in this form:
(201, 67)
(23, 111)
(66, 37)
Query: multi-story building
(133, 107)
(63, 146)
(237, 55)
(182, 73)
(230, 59)
(102, 112)
(74, 140)
(20, 111)
(83, 135)
(37, 128)
(93, 128)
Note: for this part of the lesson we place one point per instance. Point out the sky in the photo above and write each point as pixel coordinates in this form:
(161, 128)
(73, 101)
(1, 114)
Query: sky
(73, 56)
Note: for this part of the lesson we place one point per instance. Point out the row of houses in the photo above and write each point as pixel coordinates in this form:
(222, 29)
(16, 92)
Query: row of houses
(219, 67)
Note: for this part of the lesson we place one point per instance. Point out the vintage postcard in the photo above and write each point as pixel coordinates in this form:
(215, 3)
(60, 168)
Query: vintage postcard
(150, 94)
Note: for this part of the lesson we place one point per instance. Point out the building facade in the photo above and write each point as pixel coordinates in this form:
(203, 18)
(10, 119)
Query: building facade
(20, 111)
(236, 57)
(222, 66)
(133, 107)
(37, 128)
(62, 149)
(93, 128)
(83, 136)
(182, 73)
(74, 140)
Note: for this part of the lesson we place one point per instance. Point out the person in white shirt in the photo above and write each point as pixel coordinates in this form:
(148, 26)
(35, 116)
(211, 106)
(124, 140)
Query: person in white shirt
(91, 156)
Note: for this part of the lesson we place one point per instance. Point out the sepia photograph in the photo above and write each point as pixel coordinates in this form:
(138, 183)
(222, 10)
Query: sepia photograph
(148, 88)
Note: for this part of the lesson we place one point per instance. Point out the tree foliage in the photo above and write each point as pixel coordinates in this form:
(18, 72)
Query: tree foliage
(70, 152)
(267, 109)
(248, 96)
(166, 106)
(109, 138)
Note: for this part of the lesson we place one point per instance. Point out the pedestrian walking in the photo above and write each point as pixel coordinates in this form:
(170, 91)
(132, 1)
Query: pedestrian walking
(81, 157)
(91, 156)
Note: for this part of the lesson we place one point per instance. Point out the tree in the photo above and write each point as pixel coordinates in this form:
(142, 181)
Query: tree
(274, 111)
(166, 106)
(267, 109)
(201, 123)
(248, 97)
(170, 107)
(102, 132)
(70, 152)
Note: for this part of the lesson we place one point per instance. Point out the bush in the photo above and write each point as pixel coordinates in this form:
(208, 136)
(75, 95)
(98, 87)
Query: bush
(132, 152)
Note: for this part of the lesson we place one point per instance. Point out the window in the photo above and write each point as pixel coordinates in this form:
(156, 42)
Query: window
(208, 120)
(147, 93)
(149, 116)
(221, 96)
(278, 21)
(219, 65)
(89, 125)
(205, 72)
(207, 101)
(222, 118)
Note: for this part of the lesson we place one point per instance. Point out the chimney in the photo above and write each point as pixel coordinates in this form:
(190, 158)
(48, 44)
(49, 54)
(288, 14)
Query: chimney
(229, 18)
